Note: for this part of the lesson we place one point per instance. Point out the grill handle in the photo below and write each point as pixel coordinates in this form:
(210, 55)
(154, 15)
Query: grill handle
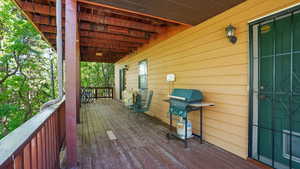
(176, 97)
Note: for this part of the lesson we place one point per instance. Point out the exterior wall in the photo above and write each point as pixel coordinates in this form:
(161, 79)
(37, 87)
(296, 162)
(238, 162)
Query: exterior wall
(202, 58)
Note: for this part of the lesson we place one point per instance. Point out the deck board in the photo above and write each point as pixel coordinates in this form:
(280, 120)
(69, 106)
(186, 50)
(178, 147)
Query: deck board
(141, 143)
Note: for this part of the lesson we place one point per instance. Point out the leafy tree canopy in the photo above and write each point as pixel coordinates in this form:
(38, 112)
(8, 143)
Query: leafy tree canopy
(97, 74)
(24, 69)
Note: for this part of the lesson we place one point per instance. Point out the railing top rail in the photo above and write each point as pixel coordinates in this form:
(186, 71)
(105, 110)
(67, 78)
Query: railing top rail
(17, 139)
(97, 87)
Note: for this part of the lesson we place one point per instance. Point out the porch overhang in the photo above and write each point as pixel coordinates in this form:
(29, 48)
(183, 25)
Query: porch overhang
(190, 12)
(110, 30)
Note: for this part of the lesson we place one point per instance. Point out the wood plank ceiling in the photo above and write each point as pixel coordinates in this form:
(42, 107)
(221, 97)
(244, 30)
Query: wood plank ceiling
(106, 34)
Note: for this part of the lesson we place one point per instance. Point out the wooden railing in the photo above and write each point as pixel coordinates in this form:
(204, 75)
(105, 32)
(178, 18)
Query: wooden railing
(97, 92)
(37, 143)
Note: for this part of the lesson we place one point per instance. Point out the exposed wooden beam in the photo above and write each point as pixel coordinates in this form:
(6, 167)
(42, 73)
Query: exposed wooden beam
(45, 20)
(113, 30)
(106, 46)
(110, 36)
(95, 41)
(107, 20)
(119, 22)
(108, 57)
(48, 29)
(103, 50)
(99, 59)
(50, 36)
(89, 49)
(48, 20)
(103, 46)
(109, 42)
(98, 35)
(105, 11)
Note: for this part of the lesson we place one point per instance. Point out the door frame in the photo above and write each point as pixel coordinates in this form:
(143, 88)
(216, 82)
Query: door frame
(276, 14)
(122, 81)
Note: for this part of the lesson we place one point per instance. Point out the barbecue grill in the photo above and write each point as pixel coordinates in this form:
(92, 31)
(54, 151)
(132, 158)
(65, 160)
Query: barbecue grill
(181, 99)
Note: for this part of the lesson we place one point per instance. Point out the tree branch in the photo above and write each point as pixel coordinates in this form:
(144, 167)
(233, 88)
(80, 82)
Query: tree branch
(12, 73)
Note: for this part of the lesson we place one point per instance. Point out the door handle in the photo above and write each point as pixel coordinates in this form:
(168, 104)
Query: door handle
(261, 87)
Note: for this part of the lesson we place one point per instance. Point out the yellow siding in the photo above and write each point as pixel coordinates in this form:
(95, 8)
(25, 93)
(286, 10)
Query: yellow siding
(202, 58)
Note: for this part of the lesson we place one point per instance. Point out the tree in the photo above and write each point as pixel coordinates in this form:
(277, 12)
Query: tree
(24, 69)
(97, 74)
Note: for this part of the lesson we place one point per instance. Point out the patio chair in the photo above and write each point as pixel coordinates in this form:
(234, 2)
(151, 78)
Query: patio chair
(141, 105)
(87, 96)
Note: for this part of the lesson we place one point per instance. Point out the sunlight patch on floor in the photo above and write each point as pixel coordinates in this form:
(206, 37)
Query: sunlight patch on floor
(111, 135)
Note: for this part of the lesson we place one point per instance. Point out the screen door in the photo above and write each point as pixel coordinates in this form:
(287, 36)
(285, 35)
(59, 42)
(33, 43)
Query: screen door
(275, 91)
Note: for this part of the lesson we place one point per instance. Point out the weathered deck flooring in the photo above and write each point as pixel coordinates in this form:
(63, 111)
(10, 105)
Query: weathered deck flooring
(141, 143)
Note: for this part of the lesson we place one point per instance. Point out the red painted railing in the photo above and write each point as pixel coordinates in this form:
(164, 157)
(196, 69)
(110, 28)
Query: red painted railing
(37, 143)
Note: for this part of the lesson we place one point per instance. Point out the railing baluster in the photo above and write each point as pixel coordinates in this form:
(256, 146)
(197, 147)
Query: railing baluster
(19, 161)
(44, 148)
(56, 157)
(27, 156)
(52, 142)
(39, 150)
(47, 144)
(34, 160)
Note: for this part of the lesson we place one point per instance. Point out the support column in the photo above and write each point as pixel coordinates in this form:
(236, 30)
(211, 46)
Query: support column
(72, 81)
(79, 76)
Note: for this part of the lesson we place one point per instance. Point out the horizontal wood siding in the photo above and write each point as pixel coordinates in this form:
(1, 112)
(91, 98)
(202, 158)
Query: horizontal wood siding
(202, 58)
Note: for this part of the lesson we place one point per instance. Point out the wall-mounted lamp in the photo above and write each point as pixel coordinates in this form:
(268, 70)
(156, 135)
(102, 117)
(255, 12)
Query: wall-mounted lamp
(126, 67)
(230, 33)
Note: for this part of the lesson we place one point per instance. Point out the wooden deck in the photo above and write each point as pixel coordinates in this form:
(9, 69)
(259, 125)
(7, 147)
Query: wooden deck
(141, 143)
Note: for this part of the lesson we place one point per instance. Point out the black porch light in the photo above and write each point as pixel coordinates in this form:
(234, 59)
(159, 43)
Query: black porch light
(230, 33)
(126, 67)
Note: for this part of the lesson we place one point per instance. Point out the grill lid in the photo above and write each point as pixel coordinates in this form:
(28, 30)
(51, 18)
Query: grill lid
(189, 95)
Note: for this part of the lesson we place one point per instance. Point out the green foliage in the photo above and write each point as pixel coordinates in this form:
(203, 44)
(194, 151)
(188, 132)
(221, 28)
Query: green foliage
(97, 74)
(24, 69)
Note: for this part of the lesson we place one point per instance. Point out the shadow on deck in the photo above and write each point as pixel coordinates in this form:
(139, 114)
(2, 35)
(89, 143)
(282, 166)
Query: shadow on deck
(141, 143)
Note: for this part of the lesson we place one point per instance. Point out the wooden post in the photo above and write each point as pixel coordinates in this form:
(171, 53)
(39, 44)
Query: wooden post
(78, 72)
(96, 93)
(72, 80)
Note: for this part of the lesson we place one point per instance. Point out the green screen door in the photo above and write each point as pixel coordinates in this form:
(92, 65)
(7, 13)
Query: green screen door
(276, 91)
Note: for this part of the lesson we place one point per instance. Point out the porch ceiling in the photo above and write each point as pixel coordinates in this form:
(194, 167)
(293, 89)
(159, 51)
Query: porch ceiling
(190, 12)
(108, 33)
